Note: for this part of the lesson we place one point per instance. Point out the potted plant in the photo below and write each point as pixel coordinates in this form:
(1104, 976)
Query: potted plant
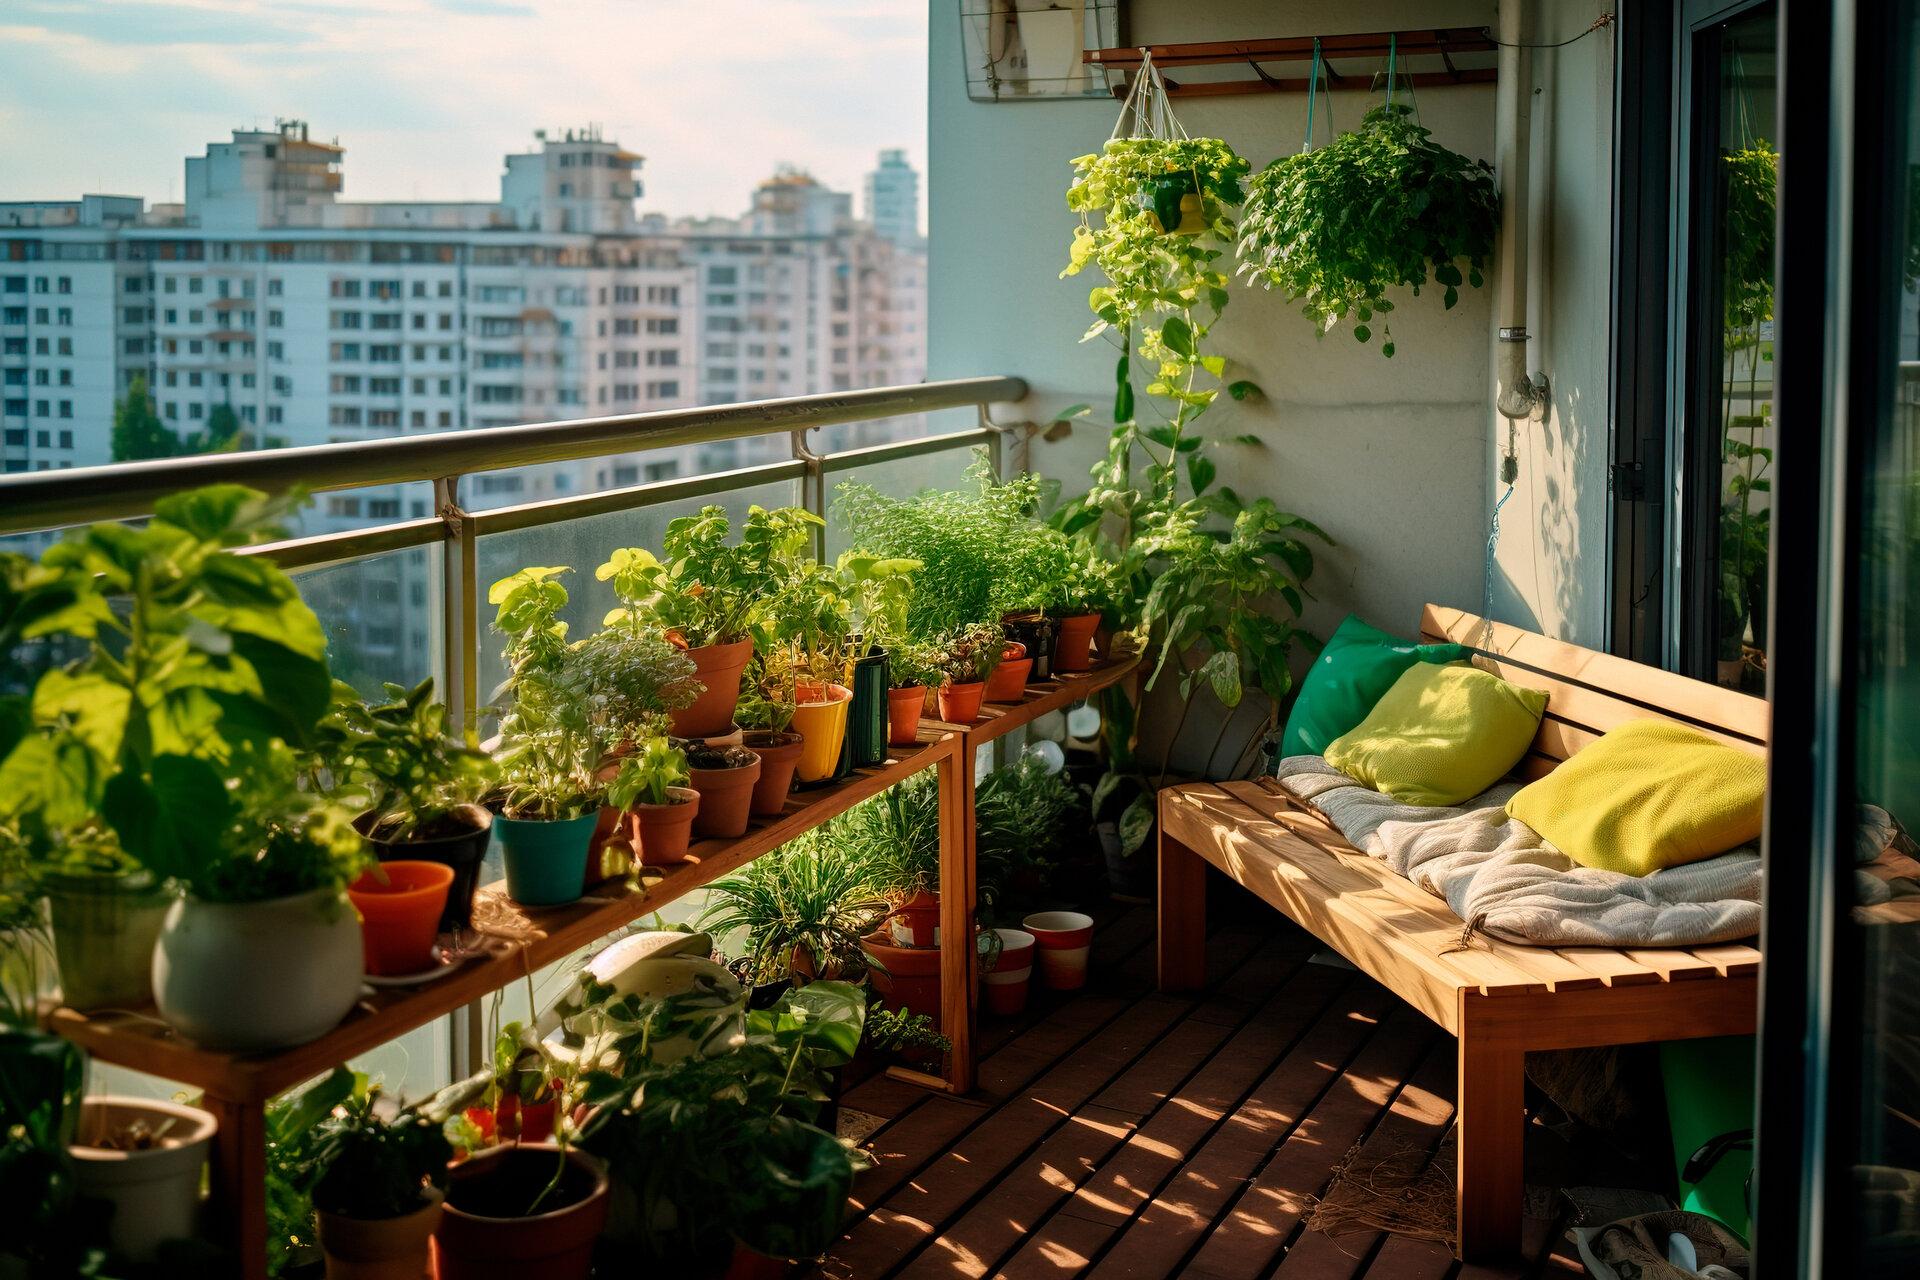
(963, 659)
(804, 909)
(651, 786)
(911, 679)
(144, 1158)
(522, 1209)
(550, 748)
(378, 1180)
(704, 595)
(724, 778)
(1428, 210)
(820, 715)
(418, 790)
(106, 910)
(720, 1154)
(765, 715)
(895, 838)
(878, 592)
(1008, 683)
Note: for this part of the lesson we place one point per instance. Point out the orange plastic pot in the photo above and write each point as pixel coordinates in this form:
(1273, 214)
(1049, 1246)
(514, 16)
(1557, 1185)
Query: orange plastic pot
(718, 667)
(903, 715)
(960, 703)
(662, 832)
(821, 720)
(400, 916)
(1008, 683)
(1073, 648)
(779, 756)
(726, 799)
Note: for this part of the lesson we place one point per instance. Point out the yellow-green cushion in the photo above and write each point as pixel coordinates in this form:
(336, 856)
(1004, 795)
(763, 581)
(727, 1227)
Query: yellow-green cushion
(1440, 735)
(1647, 795)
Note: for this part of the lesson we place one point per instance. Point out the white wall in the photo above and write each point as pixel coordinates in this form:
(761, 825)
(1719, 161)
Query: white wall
(1395, 458)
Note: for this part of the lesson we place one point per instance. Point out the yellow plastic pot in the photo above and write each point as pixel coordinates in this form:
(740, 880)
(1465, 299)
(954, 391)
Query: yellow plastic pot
(822, 723)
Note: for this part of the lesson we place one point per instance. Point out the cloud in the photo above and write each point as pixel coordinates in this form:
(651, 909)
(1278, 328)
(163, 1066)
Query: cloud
(428, 95)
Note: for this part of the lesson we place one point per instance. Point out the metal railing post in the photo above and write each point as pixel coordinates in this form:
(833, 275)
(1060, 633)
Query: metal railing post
(813, 488)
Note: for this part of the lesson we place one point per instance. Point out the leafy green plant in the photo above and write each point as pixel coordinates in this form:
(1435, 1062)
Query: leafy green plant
(902, 1032)
(768, 690)
(202, 673)
(634, 678)
(550, 742)
(713, 1147)
(706, 590)
(801, 897)
(894, 837)
(964, 655)
(645, 775)
(26, 944)
(826, 617)
(374, 1161)
(1334, 228)
(292, 1126)
(1752, 176)
(396, 757)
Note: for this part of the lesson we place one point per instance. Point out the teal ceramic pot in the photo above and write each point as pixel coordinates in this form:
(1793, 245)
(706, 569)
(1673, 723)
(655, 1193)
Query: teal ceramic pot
(546, 861)
(104, 930)
(867, 717)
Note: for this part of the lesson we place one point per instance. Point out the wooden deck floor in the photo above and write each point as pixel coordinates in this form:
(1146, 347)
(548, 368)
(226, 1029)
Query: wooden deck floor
(1125, 1133)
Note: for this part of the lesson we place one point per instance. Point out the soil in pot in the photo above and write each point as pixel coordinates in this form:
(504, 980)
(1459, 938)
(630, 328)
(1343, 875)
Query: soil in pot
(487, 1233)
(779, 756)
(960, 703)
(903, 715)
(718, 667)
(1073, 648)
(400, 905)
(725, 778)
(459, 839)
(1008, 683)
(546, 861)
(662, 832)
(380, 1248)
(104, 928)
(143, 1158)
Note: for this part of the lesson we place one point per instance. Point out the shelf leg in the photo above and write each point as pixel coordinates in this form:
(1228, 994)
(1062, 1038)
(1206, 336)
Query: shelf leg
(240, 1181)
(958, 954)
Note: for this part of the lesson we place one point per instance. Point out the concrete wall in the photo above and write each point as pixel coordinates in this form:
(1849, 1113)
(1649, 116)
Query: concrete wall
(1395, 458)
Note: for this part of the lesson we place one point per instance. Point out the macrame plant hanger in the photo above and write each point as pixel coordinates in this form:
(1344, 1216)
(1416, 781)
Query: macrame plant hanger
(1149, 106)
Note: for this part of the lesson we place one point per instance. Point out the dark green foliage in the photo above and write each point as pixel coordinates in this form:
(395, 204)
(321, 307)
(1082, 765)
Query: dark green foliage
(370, 1164)
(395, 758)
(1336, 227)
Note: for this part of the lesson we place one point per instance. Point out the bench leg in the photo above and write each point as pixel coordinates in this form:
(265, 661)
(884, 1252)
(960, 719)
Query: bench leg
(1491, 1140)
(1183, 916)
(240, 1181)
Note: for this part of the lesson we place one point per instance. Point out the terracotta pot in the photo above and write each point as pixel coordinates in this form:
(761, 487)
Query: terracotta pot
(400, 905)
(748, 1265)
(155, 1193)
(726, 798)
(662, 832)
(822, 722)
(460, 840)
(718, 667)
(903, 715)
(1008, 683)
(1064, 939)
(906, 977)
(1009, 977)
(1073, 649)
(485, 1233)
(779, 756)
(379, 1248)
(916, 922)
(960, 703)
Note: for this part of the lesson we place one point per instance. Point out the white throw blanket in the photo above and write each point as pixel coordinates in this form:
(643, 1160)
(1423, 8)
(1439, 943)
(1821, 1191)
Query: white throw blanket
(1499, 875)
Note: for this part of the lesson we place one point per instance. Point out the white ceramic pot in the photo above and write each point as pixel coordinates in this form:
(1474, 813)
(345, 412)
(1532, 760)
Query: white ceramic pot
(250, 976)
(155, 1193)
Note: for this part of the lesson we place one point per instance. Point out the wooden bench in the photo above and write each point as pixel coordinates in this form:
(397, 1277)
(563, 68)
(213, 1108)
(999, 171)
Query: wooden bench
(1498, 999)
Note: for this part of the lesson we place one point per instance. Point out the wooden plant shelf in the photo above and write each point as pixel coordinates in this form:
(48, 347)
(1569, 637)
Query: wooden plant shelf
(1440, 45)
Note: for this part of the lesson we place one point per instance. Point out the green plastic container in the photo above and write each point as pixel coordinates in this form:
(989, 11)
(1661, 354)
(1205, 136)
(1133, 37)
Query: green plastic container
(546, 861)
(867, 717)
(1710, 1093)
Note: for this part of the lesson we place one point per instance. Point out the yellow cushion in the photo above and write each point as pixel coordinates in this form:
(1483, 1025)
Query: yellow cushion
(1647, 795)
(1440, 735)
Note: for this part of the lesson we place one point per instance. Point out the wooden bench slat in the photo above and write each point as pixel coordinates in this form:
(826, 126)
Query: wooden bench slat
(1732, 959)
(1614, 967)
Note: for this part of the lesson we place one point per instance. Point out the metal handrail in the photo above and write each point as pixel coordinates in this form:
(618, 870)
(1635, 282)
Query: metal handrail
(36, 500)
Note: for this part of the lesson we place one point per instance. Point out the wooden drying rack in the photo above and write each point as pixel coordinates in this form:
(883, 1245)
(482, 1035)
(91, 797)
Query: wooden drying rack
(1443, 43)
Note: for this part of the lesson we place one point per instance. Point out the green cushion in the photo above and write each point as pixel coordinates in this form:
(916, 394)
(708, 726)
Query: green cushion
(1354, 671)
(1441, 735)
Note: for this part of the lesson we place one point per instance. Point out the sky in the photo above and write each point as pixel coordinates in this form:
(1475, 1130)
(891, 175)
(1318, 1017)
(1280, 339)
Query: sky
(428, 95)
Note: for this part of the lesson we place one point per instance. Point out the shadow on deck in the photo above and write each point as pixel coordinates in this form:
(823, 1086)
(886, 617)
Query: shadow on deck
(1122, 1132)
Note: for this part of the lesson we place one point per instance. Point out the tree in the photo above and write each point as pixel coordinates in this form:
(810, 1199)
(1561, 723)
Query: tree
(138, 431)
(223, 429)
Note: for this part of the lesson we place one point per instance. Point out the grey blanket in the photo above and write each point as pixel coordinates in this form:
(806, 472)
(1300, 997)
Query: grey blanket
(1498, 874)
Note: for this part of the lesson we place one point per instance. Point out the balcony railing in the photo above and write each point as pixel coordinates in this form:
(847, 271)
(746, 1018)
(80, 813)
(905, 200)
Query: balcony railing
(48, 500)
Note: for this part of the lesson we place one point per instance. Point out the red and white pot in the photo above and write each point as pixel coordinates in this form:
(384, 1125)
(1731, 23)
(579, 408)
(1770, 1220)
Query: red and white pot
(1009, 978)
(1063, 939)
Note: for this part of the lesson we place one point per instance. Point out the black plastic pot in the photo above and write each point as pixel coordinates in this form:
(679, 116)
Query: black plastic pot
(463, 850)
(1035, 631)
(867, 717)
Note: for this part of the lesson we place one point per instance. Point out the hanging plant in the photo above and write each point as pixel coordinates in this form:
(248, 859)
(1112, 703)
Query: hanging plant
(1753, 180)
(1336, 227)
